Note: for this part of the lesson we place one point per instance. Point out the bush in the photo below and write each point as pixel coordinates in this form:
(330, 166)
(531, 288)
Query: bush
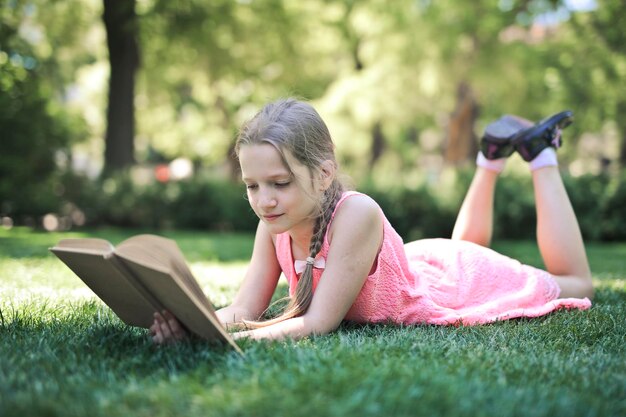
(213, 205)
(598, 200)
(612, 217)
(209, 204)
(197, 203)
(414, 213)
(35, 131)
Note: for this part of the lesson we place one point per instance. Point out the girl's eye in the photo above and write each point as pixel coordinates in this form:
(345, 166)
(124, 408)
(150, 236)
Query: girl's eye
(251, 186)
(282, 184)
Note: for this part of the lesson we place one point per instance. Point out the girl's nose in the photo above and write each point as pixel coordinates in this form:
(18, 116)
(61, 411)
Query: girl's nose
(267, 200)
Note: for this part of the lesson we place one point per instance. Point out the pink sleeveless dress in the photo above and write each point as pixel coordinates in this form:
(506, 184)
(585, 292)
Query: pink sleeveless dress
(441, 281)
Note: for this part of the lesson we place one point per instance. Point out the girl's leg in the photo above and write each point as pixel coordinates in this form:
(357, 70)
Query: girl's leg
(558, 235)
(475, 219)
(474, 222)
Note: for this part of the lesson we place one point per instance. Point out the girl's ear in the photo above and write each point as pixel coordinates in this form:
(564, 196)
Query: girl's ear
(327, 174)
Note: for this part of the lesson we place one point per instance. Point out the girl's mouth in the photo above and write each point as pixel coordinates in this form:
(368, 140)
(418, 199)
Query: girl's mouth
(271, 217)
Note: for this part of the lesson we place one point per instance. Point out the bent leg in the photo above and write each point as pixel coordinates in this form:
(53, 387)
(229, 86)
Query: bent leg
(558, 235)
(474, 222)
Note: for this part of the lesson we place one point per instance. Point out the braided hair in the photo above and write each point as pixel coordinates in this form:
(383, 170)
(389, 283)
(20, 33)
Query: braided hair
(294, 126)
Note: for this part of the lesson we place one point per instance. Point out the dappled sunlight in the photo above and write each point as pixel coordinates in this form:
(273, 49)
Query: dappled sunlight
(6, 222)
(18, 297)
(385, 79)
(219, 281)
(612, 282)
(26, 279)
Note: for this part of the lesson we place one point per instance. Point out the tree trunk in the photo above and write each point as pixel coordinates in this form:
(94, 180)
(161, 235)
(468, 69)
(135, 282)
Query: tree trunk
(120, 22)
(622, 153)
(461, 143)
(378, 144)
(234, 171)
(621, 127)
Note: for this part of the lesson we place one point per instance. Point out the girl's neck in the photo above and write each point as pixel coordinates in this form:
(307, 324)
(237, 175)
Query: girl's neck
(300, 242)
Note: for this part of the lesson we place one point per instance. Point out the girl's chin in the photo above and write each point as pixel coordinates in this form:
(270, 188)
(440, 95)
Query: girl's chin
(275, 228)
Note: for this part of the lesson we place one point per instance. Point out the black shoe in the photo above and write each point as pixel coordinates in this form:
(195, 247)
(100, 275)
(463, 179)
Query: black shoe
(530, 142)
(496, 142)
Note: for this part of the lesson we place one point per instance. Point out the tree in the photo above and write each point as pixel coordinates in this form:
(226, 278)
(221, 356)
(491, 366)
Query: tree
(461, 141)
(606, 24)
(36, 129)
(214, 64)
(120, 21)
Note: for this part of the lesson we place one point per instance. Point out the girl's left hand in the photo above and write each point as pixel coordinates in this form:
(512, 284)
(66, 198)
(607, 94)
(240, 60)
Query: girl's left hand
(166, 329)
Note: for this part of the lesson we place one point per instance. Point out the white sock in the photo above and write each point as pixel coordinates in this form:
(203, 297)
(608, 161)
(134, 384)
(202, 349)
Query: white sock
(490, 164)
(546, 158)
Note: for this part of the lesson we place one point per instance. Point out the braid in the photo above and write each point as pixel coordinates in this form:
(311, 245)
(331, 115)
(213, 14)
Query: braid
(295, 128)
(301, 300)
(304, 290)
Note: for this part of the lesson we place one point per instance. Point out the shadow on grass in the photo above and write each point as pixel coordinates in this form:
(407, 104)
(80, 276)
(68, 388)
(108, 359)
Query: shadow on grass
(88, 339)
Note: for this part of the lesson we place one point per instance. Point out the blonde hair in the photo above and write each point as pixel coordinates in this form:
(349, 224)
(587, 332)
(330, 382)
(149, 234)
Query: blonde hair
(295, 127)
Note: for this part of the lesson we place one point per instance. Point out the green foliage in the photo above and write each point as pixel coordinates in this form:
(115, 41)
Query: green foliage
(34, 134)
(36, 130)
(207, 66)
(414, 214)
(598, 201)
(62, 355)
(198, 203)
(214, 205)
(419, 212)
(613, 224)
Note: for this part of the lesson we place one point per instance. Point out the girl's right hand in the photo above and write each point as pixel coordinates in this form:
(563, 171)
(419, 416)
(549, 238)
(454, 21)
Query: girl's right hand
(166, 329)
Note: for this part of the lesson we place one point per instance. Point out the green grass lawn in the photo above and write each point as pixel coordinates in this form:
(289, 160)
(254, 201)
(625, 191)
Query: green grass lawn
(62, 353)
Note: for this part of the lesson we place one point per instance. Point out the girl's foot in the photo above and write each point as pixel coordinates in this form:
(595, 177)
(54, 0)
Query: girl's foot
(496, 142)
(547, 133)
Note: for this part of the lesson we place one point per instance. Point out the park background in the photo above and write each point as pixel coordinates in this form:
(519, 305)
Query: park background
(118, 118)
(124, 113)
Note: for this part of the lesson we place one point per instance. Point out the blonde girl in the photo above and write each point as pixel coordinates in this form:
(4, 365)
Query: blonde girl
(344, 261)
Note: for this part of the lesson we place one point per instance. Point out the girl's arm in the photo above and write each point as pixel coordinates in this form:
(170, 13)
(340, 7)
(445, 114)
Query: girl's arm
(356, 236)
(252, 299)
(259, 283)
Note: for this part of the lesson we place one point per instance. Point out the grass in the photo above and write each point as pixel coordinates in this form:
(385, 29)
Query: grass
(62, 353)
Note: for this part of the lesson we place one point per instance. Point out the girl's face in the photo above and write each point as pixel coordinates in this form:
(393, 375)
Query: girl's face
(284, 201)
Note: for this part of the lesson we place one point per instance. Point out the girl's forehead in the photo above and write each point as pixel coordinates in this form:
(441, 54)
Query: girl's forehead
(259, 159)
(263, 151)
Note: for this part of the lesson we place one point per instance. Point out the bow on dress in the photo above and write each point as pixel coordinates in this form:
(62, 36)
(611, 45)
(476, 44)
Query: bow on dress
(300, 266)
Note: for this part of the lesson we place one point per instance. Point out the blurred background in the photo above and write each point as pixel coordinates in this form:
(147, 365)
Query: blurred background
(124, 112)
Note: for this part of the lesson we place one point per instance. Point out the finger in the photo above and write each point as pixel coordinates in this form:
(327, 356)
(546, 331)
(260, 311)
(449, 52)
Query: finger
(177, 330)
(155, 331)
(163, 327)
(158, 318)
(157, 337)
(165, 331)
(155, 325)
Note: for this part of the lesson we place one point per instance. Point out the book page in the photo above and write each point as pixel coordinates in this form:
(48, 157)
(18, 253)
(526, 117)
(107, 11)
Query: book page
(89, 245)
(89, 259)
(180, 301)
(164, 254)
(165, 251)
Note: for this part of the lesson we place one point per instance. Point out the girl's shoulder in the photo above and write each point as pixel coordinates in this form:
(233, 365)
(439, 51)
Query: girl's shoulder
(355, 209)
(354, 200)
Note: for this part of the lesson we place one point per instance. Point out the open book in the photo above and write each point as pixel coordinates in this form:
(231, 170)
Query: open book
(143, 274)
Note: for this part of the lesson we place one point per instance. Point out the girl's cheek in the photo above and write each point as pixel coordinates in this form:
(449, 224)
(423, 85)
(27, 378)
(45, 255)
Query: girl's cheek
(251, 200)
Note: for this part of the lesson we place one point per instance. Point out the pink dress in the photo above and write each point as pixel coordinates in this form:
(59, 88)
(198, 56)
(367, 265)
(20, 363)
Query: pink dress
(441, 281)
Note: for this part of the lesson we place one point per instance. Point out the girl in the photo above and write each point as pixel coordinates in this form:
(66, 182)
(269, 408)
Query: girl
(343, 260)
